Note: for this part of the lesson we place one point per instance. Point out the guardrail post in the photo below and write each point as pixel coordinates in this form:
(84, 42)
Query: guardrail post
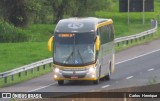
(50, 64)
(19, 74)
(5, 79)
(118, 44)
(38, 68)
(26, 73)
(143, 37)
(127, 42)
(135, 39)
(131, 41)
(44, 66)
(32, 70)
(12, 77)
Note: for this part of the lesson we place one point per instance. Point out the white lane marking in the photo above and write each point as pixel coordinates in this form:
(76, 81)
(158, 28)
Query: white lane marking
(129, 77)
(138, 56)
(105, 86)
(41, 87)
(150, 69)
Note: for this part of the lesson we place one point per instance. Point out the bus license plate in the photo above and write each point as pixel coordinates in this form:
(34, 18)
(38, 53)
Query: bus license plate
(74, 77)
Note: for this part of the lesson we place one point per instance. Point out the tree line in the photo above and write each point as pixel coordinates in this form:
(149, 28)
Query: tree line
(20, 13)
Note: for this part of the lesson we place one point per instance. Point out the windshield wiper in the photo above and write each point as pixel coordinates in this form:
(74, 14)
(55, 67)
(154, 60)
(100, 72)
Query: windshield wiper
(80, 56)
(69, 56)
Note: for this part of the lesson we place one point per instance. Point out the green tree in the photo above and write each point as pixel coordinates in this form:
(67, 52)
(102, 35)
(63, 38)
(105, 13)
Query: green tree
(14, 11)
(58, 8)
(77, 8)
(39, 11)
(89, 7)
(20, 12)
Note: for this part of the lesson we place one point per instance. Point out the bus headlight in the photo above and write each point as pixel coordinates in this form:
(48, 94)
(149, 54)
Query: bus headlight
(91, 70)
(56, 70)
(55, 76)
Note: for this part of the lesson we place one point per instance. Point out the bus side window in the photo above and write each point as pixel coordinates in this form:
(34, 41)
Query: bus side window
(112, 32)
(109, 33)
(103, 34)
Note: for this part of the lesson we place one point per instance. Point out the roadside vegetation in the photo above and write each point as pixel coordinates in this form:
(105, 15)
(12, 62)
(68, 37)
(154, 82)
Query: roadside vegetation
(25, 41)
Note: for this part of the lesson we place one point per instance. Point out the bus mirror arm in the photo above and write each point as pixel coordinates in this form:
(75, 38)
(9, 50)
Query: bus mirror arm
(50, 41)
(97, 43)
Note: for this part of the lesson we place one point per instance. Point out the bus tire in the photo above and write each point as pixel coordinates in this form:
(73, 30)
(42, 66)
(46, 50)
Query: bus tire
(107, 77)
(96, 81)
(60, 82)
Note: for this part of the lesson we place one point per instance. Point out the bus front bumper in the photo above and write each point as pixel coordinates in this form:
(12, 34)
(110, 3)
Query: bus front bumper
(89, 74)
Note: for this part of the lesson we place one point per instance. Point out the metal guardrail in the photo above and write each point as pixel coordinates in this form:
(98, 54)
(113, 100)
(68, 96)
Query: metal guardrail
(25, 69)
(136, 36)
(124, 40)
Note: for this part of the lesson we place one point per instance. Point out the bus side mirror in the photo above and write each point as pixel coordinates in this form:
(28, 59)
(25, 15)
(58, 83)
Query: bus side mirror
(50, 43)
(97, 43)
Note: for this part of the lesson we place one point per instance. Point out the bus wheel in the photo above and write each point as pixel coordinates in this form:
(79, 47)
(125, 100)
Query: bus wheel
(60, 82)
(96, 81)
(107, 77)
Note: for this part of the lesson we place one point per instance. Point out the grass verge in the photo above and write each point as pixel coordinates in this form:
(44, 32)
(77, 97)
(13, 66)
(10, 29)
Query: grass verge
(40, 32)
(14, 55)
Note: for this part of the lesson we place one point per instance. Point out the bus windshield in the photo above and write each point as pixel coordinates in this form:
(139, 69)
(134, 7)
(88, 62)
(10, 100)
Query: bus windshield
(74, 49)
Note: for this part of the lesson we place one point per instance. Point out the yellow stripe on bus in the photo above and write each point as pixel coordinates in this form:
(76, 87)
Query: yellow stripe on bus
(104, 23)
